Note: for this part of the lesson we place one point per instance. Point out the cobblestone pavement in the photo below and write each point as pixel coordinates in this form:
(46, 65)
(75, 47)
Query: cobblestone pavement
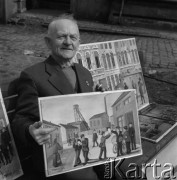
(22, 46)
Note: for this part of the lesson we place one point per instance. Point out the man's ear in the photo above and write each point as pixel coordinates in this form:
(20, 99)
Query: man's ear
(48, 42)
(79, 42)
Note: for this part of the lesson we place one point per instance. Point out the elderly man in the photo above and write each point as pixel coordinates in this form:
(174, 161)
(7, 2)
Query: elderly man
(57, 75)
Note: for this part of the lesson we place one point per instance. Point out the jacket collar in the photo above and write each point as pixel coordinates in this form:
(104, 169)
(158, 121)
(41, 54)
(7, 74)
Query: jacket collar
(60, 82)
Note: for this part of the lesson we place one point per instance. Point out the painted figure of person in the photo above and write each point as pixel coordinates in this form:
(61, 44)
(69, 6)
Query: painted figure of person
(77, 145)
(5, 138)
(125, 85)
(56, 153)
(2, 161)
(119, 139)
(134, 86)
(140, 86)
(126, 137)
(131, 131)
(85, 148)
(103, 144)
(95, 138)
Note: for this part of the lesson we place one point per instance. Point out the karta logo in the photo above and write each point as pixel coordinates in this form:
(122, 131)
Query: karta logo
(134, 171)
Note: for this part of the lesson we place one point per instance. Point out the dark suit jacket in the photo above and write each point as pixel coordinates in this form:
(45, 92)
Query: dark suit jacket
(41, 80)
(85, 145)
(119, 136)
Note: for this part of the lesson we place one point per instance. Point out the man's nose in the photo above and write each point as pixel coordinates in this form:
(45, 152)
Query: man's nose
(67, 40)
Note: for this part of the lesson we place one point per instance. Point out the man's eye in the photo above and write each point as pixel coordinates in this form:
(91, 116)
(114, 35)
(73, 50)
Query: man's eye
(61, 37)
(74, 38)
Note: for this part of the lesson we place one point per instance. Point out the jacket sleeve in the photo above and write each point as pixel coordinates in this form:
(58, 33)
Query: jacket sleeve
(107, 136)
(27, 111)
(87, 142)
(114, 132)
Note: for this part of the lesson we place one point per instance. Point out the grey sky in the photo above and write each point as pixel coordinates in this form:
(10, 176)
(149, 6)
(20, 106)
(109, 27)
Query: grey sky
(59, 109)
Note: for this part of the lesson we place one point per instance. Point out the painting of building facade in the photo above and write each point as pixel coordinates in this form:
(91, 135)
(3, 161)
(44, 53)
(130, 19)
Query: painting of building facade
(88, 135)
(115, 65)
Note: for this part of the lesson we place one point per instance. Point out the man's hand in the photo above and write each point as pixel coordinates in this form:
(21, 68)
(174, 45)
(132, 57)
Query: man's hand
(39, 134)
(99, 88)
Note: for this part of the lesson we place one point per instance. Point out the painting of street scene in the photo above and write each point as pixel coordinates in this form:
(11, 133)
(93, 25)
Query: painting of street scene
(10, 167)
(159, 121)
(90, 128)
(115, 65)
(136, 82)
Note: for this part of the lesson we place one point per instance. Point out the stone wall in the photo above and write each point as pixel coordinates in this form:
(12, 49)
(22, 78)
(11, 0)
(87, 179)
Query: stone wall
(164, 10)
(97, 10)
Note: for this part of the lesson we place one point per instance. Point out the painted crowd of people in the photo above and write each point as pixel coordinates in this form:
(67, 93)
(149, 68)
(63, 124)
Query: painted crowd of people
(6, 151)
(82, 143)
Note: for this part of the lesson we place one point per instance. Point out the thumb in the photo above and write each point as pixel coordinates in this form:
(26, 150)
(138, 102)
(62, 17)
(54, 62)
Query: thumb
(37, 125)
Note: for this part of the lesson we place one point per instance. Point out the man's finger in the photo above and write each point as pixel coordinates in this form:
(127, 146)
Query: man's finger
(44, 140)
(37, 124)
(47, 130)
(44, 137)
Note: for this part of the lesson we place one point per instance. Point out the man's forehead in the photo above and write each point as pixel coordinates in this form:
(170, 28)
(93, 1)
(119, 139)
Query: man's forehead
(62, 24)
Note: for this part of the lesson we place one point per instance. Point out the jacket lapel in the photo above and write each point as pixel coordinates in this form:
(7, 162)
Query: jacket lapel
(83, 78)
(57, 77)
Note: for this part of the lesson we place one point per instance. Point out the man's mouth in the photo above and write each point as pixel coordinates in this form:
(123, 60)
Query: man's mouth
(69, 49)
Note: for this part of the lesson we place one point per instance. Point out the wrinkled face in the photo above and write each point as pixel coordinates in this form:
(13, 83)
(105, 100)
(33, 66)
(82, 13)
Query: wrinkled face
(64, 39)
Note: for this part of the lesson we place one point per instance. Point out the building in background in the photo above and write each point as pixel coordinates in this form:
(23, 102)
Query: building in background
(125, 112)
(81, 125)
(55, 135)
(99, 122)
(99, 10)
(68, 132)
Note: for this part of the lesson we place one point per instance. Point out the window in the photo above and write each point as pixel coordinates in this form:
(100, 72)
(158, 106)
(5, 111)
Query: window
(132, 56)
(112, 58)
(101, 46)
(108, 60)
(94, 124)
(120, 121)
(109, 83)
(106, 46)
(117, 107)
(98, 122)
(110, 46)
(126, 57)
(131, 42)
(119, 59)
(79, 58)
(127, 101)
(136, 55)
(113, 81)
(117, 78)
(104, 61)
(88, 60)
(90, 123)
(97, 59)
(123, 58)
